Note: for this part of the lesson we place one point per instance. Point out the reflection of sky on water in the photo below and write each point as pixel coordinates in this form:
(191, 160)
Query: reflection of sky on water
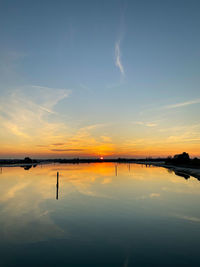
(95, 205)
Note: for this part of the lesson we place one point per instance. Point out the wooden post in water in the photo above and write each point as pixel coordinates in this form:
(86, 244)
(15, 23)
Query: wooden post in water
(115, 169)
(57, 185)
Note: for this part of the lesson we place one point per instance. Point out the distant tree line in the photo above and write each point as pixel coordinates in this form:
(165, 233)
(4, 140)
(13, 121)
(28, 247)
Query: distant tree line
(179, 159)
(183, 159)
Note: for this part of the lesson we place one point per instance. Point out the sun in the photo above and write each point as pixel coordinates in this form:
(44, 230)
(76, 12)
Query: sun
(101, 158)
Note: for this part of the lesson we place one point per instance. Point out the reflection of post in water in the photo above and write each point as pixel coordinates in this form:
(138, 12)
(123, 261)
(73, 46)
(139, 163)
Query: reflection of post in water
(57, 185)
(115, 169)
(1, 170)
(129, 167)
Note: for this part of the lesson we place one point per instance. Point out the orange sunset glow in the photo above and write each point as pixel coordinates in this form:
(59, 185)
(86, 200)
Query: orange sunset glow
(99, 133)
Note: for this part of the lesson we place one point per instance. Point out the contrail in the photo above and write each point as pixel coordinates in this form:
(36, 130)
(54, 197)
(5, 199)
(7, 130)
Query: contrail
(118, 57)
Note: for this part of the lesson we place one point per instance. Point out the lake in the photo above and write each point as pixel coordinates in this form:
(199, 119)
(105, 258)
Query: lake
(99, 214)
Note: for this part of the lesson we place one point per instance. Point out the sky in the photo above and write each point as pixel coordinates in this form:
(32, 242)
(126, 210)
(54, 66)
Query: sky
(112, 78)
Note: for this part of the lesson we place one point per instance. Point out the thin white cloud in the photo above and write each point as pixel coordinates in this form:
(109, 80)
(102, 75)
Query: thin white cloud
(183, 104)
(151, 124)
(118, 62)
(146, 124)
(48, 96)
(47, 110)
(25, 111)
(152, 195)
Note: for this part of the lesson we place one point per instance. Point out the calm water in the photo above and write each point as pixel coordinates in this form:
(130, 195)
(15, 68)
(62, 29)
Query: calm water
(98, 215)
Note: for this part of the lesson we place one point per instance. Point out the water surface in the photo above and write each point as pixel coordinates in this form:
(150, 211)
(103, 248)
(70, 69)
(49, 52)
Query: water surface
(98, 215)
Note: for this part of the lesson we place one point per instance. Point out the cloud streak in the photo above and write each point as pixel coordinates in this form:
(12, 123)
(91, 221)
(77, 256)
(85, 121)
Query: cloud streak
(24, 112)
(58, 144)
(183, 104)
(118, 62)
(66, 150)
(146, 124)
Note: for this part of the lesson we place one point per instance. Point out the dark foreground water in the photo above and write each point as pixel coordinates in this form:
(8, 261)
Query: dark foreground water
(98, 215)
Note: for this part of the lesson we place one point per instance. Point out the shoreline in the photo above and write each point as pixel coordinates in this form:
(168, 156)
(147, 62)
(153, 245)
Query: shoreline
(183, 171)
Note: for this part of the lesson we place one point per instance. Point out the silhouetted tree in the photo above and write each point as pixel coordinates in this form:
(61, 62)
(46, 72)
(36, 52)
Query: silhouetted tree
(28, 160)
(182, 158)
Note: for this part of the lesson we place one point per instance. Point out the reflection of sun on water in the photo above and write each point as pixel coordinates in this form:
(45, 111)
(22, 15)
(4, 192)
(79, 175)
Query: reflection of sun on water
(86, 179)
(82, 178)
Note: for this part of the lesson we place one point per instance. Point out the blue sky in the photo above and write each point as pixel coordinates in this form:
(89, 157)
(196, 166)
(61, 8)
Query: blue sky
(119, 77)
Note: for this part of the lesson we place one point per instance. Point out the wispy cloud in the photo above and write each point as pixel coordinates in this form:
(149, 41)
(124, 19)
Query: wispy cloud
(183, 104)
(67, 149)
(146, 124)
(25, 112)
(118, 62)
(47, 110)
(58, 144)
(152, 195)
